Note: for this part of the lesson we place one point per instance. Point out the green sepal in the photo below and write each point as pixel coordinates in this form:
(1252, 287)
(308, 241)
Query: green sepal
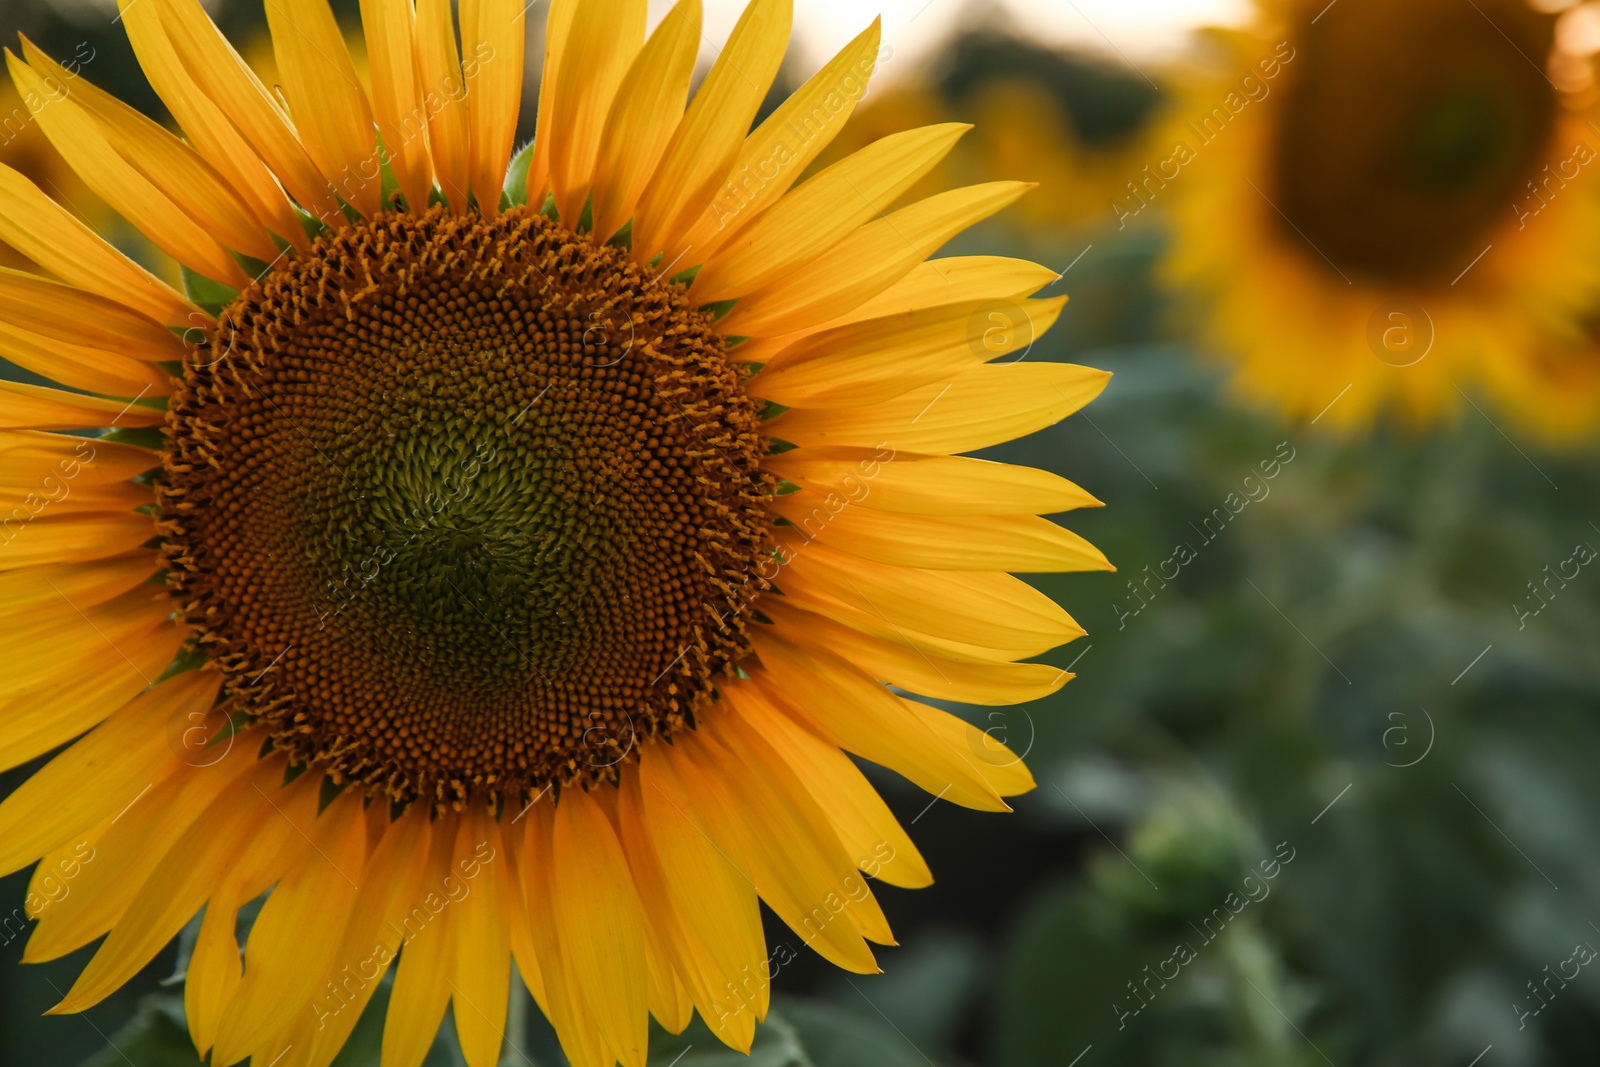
(189, 658)
(516, 186)
(389, 185)
(313, 226)
(328, 792)
(771, 410)
(720, 309)
(623, 238)
(254, 267)
(208, 295)
(687, 277)
(150, 437)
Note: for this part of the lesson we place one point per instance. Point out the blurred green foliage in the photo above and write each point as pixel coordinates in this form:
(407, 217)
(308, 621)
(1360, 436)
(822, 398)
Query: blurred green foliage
(1342, 673)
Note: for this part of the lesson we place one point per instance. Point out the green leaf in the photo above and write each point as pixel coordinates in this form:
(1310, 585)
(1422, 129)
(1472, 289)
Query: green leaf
(835, 1037)
(797, 1033)
(155, 1037)
(777, 1044)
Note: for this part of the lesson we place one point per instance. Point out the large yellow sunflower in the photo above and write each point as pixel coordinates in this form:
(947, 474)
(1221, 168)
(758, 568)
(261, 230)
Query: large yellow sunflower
(501, 568)
(1391, 206)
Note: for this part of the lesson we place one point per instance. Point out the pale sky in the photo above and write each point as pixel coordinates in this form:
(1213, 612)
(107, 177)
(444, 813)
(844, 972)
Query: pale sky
(1135, 29)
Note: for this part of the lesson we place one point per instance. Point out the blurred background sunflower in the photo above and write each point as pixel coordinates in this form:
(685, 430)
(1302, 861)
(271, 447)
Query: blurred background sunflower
(1322, 790)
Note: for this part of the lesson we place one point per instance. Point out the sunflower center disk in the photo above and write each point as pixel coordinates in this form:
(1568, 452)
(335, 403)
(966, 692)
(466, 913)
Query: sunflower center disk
(465, 506)
(1411, 129)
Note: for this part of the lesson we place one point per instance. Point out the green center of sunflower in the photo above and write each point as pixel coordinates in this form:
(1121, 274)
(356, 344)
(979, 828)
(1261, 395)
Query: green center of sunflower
(1411, 129)
(461, 505)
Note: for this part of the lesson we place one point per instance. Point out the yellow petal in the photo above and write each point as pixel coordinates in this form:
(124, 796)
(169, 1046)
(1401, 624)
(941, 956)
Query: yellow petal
(558, 26)
(597, 910)
(604, 38)
(869, 362)
(215, 968)
(396, 105)
(929, 485)
(866, 827)
(872, 260)
(214, 971)
(860, 715)
(714, 897)
(1024, 544)
(444, 97)
(523, 952)
(176, 889)
(18, 503)
(74, 134)
(793, 879)
(33, 407)
(49, 235)
(811, 865)
(707, 141)
(64, 313)
(646, 111)
(203, 122)
(422, 983)
(493, 39)
(72, 539)
(950, 281)
(573, 1018)
(990, 611)
(54, 711)
(91, 370)
(372, 939)
(680, 950)
(234, 88)
(29, 460)
(1003, 768)
(130, 844)
(824, 211)
(328, 104)
(84, 584)
(165, 160)
(915, 668)
(123, 756)
(788, 141)
(482, 979)
(988, 405)
(296, 934)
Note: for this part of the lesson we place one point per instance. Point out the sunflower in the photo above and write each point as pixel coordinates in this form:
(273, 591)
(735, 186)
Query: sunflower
(1389, 205)
(494, 559)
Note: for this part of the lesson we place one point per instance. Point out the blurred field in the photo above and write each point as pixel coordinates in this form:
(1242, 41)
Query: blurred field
(1366, 663)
